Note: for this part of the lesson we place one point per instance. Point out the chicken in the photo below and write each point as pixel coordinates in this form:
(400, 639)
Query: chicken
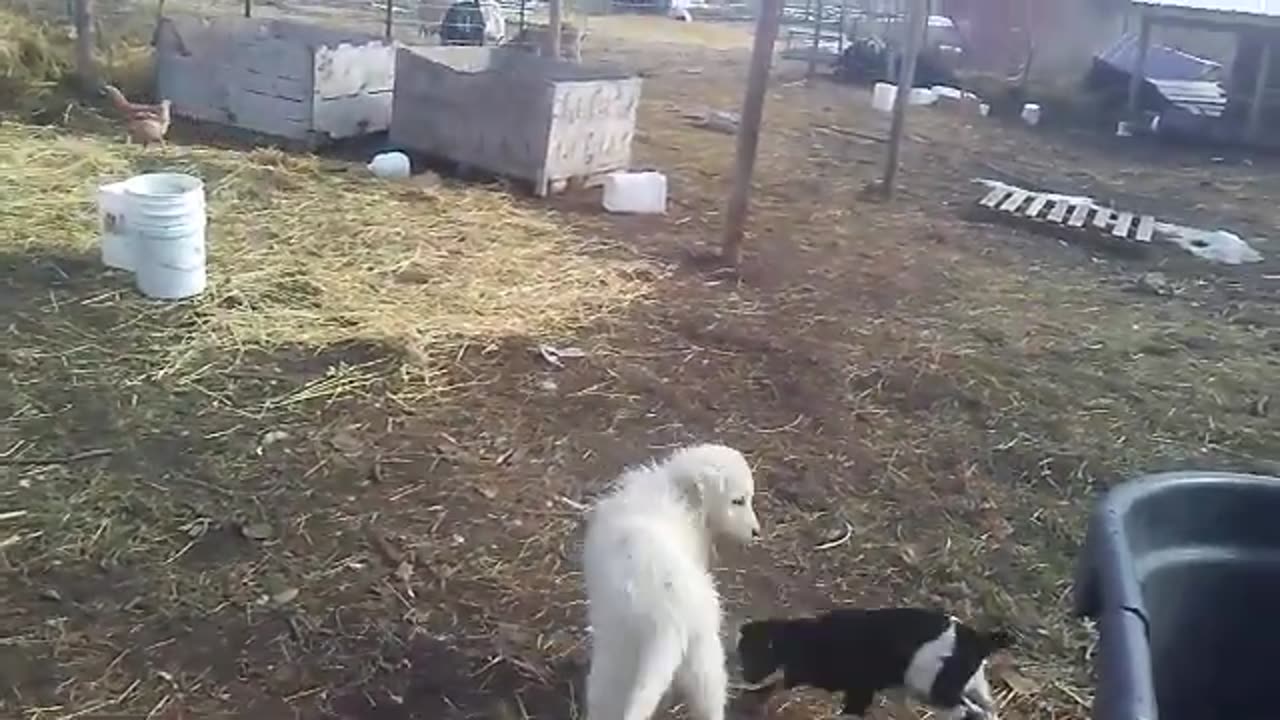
(147, 128)
(145, 123)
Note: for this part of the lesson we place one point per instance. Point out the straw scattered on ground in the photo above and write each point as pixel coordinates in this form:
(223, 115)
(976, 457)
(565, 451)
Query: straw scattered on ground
(312, 253)
(244, 505)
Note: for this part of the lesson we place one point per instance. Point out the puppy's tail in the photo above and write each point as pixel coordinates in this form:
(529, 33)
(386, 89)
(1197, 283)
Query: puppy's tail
(659, 657)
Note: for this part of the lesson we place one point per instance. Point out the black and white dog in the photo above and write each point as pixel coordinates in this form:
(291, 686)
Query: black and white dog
(935, 657)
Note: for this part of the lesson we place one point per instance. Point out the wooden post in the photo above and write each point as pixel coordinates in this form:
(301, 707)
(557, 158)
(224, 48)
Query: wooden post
(817, 37)
(1139, 69)
(553, 29)
(248, 8)
(85, 70)
(389, 21)
(735, 219)
(1260, 83)
(917, 15)
(844, 18)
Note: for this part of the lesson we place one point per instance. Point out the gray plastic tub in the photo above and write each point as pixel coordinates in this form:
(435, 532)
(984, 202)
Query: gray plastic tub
(1181, 571)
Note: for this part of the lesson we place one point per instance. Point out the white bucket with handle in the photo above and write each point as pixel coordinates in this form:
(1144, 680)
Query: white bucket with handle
(166, 218)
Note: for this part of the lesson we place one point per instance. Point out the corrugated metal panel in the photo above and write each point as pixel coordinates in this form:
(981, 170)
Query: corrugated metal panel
(1162, 63)
(1270, 8)
(1198, 97)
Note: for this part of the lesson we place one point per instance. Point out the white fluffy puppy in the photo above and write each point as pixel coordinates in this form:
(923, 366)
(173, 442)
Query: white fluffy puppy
(653, 605)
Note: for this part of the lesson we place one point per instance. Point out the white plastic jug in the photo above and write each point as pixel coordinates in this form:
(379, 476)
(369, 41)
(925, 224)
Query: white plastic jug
(117, 243)
(166, 215)
(882, 96)
(390, 165)
(636, 192)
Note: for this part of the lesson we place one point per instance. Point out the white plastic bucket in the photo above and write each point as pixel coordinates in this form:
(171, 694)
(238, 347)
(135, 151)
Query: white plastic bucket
(166, 214)
(882, 96)
(117, 243)
(1031, 114)
(636, 192)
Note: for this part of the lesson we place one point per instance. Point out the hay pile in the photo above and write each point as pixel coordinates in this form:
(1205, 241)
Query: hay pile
(309, 252)
(34, 59)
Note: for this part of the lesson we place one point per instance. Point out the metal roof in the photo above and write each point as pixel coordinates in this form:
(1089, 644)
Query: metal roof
(1266, 8)
(1162, 63)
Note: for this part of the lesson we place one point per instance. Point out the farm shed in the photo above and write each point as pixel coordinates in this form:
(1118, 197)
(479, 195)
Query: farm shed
(278, 78)
(1251, 102)
(514, 114)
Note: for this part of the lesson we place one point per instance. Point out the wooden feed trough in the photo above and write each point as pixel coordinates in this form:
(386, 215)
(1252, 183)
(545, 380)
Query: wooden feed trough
(278, 78)
(507, 112)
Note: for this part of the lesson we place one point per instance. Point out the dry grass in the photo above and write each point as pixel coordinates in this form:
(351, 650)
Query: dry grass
(312, 253)
(34, 57)
(282, 521)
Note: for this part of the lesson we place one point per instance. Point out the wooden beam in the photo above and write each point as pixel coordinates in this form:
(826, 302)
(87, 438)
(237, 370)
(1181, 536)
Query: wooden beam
(917, 16)
(1261, 80)
(749, 129)
(86, 69)
(554, 22)
(844, 18)
(389, 21)
(1210, 19)
(1138, 71)
(248, 8)
(817, 37)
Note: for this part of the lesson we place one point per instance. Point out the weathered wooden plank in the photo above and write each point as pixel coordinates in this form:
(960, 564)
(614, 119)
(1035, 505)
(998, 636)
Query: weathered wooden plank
(1059, 211)
(1123, 222)
(1079, 215)
(1037, 204)
(345, 71)
(361, 114)
(1146, 228)
(994, 197)
(1103, 218)
(1015, 201)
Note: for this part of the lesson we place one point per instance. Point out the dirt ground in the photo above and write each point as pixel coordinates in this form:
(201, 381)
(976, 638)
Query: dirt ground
(266, 545)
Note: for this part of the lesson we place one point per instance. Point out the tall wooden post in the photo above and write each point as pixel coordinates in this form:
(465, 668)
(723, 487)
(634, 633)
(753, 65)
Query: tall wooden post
(735, 219)
(917, 15)
(389, 21)
(85, 70)
(554, 22)
(817, 38)
(1139, 71)
(248, 8)
(1260, 83)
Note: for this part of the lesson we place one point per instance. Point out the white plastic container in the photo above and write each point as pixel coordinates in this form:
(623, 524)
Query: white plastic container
(946, 92)
(882, 96)
(117, 243)
(636, 192)
(922, 96)
(166, 217)
(1031, 114)
(390, 165)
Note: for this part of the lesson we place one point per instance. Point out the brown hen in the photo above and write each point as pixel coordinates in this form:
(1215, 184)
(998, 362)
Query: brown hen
(146, 123)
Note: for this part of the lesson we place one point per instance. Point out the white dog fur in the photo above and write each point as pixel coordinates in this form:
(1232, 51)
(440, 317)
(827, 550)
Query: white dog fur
(652, 602)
